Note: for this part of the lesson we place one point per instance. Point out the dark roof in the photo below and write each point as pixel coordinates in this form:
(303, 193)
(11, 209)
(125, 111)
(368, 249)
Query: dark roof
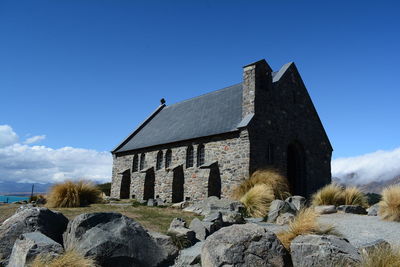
(210, 114)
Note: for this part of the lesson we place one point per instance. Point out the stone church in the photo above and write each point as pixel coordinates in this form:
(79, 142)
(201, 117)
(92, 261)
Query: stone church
(206, 145)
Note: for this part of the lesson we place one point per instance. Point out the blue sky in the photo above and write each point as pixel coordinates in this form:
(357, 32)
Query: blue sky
(85, 73)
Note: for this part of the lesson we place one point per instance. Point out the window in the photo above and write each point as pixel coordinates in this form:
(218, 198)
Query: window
(200, 155)
(159, 160)
(135, 163)
(189, 157)
(168, 158)
(270, 153)
(142, 161)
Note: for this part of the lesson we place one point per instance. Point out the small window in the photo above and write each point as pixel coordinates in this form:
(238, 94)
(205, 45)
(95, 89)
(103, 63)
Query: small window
(135, 163)
(159, 160)
(200, 155)
(270, 153)
(189, 157)
(168, 158)
(142, 161)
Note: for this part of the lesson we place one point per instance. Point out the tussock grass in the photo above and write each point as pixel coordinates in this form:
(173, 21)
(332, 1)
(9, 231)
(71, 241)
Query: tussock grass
(270, 177)
(257, 200)
(353, 196)
(330, 194)
(68, 259)
(389, 206)
(73, 194)
(383, 256)
(333, 194)
(305, 222)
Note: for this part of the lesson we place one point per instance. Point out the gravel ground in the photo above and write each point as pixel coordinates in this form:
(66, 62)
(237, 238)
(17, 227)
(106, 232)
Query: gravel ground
(361, 229)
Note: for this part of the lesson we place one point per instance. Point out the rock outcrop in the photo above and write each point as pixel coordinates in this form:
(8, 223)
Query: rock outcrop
(244, 245)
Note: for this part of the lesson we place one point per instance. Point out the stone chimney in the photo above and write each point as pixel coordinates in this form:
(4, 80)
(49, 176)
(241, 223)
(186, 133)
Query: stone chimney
(257, 81)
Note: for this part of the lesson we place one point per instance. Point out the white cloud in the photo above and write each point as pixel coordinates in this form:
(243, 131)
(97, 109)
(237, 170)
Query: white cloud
(7, 136)
(28, 163)
(378, 166)
(34, 139)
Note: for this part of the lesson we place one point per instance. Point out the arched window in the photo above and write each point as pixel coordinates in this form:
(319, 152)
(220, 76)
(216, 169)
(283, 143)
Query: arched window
(135, 163)
(168, 158)
(189, 157)
(200, 155)
(142, 161)
(270, 153)
(159, 160)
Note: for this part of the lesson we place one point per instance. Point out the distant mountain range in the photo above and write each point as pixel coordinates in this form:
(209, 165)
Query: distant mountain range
(372, 187)
(12, 188)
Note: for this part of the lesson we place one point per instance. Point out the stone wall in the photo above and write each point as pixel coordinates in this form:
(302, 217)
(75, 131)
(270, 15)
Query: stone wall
(229, 153)
(285, 116)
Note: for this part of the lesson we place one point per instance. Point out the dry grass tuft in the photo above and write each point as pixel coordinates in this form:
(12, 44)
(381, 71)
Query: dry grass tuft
(73, 194)
(353, 196)
(383, 256)
(305, 222)
(68, 259)
(389, 207)
(330, 194)
(257, 200)
(270, 177)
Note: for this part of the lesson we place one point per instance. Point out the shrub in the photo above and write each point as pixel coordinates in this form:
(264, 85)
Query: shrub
(73, 194)
(105, 188)
(305, 222)
(269, 177)
(330, 194)
(68, 259)
(389, 206)
(383, 256)
(257, 200)
(373, 198)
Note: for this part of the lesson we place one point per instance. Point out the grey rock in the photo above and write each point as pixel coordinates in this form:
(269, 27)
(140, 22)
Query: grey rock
(183, 232)
(296, 202)
(151, 202)
(213, 222)
(190, 256)
(51, 224)
(214, 217)
(325, 209)
(326, 250)
(25, 207)
(244, 245)
(278, 207)
(112, 239)
(285, 218)
(233, 217)
(159, 202)
(369, 247)
(355, 209)
(200, 230)
(180, 205)
(29, 245)
(373, 210)
(177, 222)
(214, 204)
(169, 251)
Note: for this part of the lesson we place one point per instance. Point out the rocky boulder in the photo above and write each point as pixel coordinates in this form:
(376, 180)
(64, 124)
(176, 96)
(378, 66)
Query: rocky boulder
(190, 256)
(26, 220)
(355, 209)
(178, 228)
(296, 202)
(326, 250)
(29, 245)
(112, 239)
(277, 208)
(214, 204)
(200, 230)
(325, 209)
(244, 245)
(168, 249)
(373, 210)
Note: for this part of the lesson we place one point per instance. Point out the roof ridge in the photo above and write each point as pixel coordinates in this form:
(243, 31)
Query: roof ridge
(202, 95)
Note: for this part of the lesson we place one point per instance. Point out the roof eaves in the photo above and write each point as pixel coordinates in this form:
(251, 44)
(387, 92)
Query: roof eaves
(245, 121)
(126, 139)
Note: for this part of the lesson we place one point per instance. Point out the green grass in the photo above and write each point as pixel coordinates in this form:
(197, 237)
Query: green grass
(152, 218)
